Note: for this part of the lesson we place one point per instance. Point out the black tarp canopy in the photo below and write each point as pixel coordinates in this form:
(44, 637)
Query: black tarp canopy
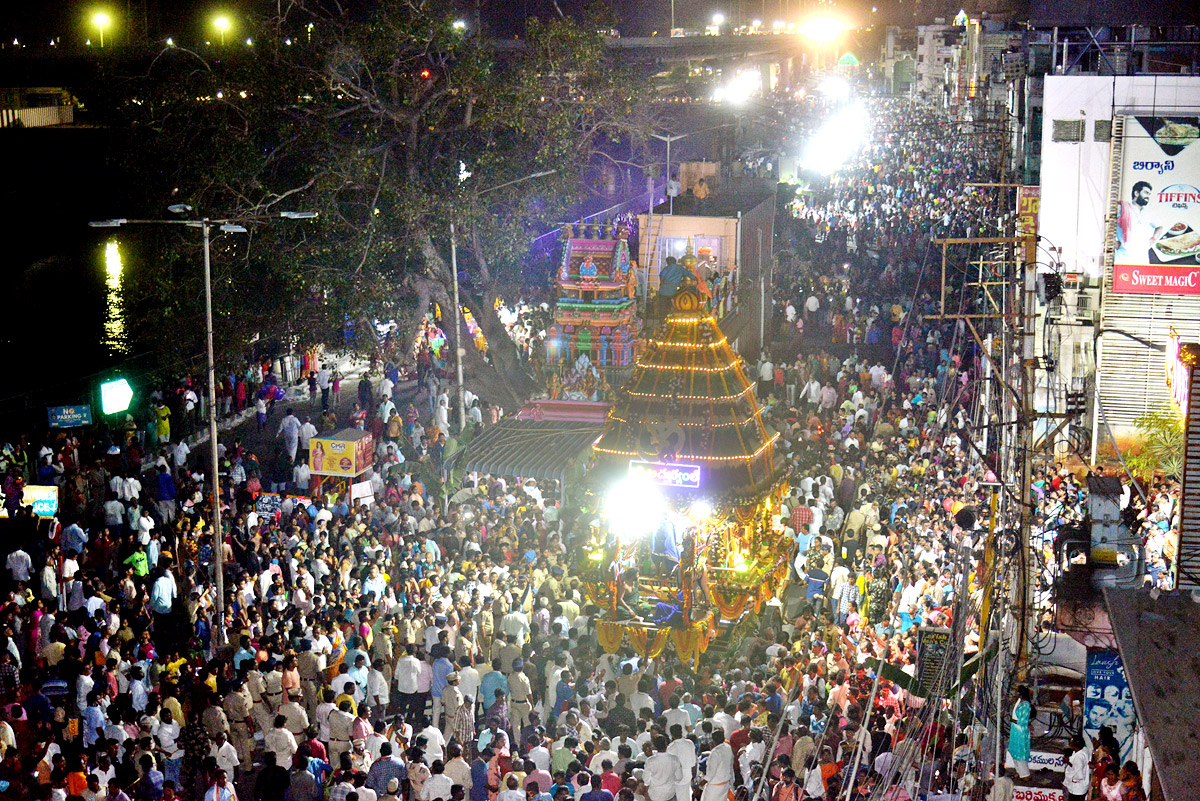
(529, 448)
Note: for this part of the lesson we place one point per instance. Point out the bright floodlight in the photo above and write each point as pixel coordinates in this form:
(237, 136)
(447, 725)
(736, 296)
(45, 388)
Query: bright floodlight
(756, 23)
(837, 141)
(739, 89)
(115, 396)
(101, 21)
(459, 25)
(634, 508)
(823, 29)
(221, 24)
(700, 510)
(718, 19)
(835, 88)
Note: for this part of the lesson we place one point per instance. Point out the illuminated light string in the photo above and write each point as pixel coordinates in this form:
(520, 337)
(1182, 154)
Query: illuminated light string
(749, 419)
(690, 397)
(687, 345)
(739, 458)
(687, 367)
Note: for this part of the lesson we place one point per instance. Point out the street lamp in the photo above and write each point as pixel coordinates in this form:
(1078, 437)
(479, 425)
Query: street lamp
(222, 25)
(459, 350)
(234, 225)
(718, 19)
(669, 139)
(101, 21)
(459, 25)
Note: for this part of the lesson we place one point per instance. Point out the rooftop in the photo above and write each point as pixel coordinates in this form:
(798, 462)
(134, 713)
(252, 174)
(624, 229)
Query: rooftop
(1159, 642)
(723, 202)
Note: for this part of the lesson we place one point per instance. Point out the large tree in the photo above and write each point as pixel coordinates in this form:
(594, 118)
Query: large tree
(375, 124)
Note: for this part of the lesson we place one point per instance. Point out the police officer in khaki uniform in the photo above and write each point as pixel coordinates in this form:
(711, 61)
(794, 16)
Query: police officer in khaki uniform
(214, 718)
(340, 723)
(297, 717)
(237, 706)
(520, 696)
(452, 699)
(256, 684)
(273, 693)
(308, 665)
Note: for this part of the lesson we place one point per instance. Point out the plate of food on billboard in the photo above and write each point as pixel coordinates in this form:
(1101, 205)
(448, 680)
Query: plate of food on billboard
(1158, 212)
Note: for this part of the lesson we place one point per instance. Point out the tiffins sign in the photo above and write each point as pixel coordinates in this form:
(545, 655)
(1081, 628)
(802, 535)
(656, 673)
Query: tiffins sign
(1157, 226)
(677, 476)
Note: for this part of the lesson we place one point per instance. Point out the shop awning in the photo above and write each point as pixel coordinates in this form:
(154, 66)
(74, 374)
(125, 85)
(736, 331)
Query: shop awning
(529, 448)
(1159, 642)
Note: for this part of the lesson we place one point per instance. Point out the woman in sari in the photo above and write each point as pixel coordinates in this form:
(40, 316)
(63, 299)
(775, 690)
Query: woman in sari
(337, 654)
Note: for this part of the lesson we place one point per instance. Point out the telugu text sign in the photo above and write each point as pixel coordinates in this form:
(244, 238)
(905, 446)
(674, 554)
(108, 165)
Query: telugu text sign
(1157, 226)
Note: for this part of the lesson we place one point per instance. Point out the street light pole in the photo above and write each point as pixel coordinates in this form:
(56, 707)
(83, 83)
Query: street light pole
(206, 225)
(218, 538)
(669, 138)
(459, 350)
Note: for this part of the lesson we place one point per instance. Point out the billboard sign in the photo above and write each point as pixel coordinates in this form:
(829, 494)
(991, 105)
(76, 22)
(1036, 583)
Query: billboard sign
(346, 453)
(933, 654)
(43, 499)
(69, 416)
(1107, 701)
(676, 476)
(1158, 211)
(1029, 206)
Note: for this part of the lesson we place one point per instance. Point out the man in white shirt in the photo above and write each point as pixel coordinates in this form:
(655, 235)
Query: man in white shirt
(516, 624)
(225, 753)
(1077, 779)
(289, 429)
(718, 771)
(663, 774)
(19, 565)
(280, 741)
(180, 454)
(378, 694)
(408, 671)
(684, 751)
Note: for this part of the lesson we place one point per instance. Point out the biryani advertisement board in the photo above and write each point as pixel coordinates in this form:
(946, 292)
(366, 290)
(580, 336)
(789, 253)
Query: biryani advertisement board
(1157, 226)
(347, 453)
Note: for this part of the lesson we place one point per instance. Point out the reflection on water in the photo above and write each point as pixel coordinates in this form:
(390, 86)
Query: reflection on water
(114, 324)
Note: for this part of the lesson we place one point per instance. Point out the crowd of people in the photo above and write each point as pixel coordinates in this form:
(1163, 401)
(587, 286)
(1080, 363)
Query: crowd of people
(418, 648)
